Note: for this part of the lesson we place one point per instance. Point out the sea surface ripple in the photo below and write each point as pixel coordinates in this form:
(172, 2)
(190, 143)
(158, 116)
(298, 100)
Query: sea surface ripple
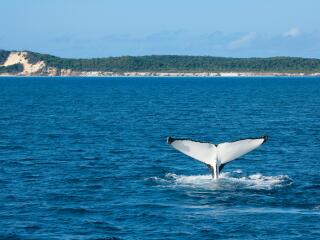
(86, 158)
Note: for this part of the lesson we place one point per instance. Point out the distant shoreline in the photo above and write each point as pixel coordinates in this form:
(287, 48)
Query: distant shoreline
(161, 74)
(25, 63)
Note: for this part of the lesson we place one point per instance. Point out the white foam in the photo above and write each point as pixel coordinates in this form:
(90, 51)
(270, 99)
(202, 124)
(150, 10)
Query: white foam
(227, 180)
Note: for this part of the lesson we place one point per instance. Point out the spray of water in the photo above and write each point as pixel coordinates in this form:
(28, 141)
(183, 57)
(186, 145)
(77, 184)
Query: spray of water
(227, 180)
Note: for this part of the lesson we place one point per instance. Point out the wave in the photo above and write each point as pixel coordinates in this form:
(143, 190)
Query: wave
(227, 180)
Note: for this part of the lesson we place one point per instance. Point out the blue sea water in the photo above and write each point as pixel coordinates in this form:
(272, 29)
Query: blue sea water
(86, 158)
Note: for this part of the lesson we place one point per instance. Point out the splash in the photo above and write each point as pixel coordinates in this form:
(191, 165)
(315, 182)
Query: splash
(227, 181)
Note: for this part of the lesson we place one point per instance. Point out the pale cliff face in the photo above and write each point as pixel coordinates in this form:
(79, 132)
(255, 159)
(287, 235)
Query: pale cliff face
(34, 69)
(28, 68)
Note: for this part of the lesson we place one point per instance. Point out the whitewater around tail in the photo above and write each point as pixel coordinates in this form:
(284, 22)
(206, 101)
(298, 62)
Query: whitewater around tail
(227, 181)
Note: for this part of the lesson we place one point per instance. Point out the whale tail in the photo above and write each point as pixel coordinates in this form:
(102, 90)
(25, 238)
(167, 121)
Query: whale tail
(216, 156)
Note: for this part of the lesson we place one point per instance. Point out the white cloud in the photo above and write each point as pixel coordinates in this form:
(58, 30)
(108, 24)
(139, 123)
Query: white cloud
(293, 32)
(238, 44)
(242, 41)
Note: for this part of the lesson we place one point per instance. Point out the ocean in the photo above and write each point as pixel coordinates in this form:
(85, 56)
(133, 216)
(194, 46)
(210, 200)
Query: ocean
(87, 158)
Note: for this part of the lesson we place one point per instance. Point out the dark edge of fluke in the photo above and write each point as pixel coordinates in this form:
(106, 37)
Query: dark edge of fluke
(170, 140)
(265, 138)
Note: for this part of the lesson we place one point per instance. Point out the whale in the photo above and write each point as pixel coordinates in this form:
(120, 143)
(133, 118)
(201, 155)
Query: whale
(216, 156)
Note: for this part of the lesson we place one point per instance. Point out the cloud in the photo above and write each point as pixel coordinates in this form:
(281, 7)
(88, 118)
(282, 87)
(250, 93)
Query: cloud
(293, 32)
(242, 41)
(233, 44)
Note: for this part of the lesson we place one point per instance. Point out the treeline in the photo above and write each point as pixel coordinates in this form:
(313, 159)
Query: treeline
(12, 69)
(174, 63)
(3, 56)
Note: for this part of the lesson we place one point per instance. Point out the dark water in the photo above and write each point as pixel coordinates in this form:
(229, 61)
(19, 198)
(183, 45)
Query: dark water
(86, 158)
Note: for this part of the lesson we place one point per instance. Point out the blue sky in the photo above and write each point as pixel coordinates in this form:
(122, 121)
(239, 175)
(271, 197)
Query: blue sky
(98, 28)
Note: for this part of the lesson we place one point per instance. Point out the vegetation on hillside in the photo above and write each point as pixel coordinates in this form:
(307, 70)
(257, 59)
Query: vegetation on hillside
(12, 69)
(3, 56)
(174, 63)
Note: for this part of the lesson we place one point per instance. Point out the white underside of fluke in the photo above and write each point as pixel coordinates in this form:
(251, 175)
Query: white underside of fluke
(216, 156)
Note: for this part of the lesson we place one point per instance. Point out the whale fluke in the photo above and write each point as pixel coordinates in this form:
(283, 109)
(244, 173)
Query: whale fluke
(216, 156)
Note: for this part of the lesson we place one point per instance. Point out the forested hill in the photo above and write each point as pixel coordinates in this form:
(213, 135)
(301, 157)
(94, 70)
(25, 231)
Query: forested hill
(174, 63)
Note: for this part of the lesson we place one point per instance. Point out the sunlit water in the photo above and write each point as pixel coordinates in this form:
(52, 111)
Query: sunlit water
(86, 158)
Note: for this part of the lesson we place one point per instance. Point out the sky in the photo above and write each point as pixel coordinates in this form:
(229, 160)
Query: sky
(101, 28)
